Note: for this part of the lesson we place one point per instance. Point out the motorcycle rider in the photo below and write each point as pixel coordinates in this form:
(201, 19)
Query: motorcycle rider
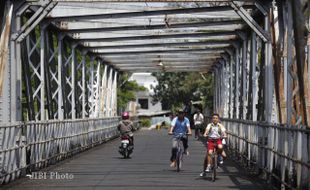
(126, 127)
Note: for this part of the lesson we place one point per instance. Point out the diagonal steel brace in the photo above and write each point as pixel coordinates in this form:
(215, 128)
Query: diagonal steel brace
(250, 21)
(39, 15)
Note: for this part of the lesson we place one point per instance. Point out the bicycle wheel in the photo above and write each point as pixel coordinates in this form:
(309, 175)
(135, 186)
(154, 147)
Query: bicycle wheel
(214, 167)
(179, 160)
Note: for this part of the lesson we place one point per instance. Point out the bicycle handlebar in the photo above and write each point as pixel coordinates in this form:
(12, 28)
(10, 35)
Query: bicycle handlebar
(181, 134)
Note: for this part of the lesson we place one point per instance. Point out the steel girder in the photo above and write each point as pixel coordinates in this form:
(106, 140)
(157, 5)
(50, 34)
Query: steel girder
(54, 77)
(144, 13)
(64, 26)
(242, 100)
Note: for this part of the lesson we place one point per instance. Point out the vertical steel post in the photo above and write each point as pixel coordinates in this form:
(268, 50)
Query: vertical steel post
(91, 88)
(231, 96)
(215, 90)
(220, 89)
(243, 77)
(269, 83)
(226, 90)
(83, 84)
(110, 91)
(253, 78)
(42, 71)
(103, 107)
(218, 80)
(73, 68)
(97, 90)
(14, 76)
(59, 72)
(115, 94)
(236, 112)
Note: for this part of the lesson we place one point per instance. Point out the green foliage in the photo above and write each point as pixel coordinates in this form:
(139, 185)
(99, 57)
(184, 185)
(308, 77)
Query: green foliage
(145, 122)
(176, 89)
(126, 91)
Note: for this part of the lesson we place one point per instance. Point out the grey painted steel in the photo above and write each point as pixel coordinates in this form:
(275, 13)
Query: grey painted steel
(60, 101)
(150, 37)
(215, 90)
(250, 21)
(231, 86)
(73, 74)
(90, 83)
(288, 62)
(36, 63)
(163, 60)
(150, 27)
(42, 73)
(114, 96)
(44, 143)
(215, 50)
(253, 78)
(269, 83)
(155, 56)
(243, 81)
(245, 138)
(103, 106)
(237, 92)
(109, 93)
(219, 86)
(97, 90)
(9, 103)
(83, 88)
(25, 30)
(183, 44)
(143, 13)
(225, 91)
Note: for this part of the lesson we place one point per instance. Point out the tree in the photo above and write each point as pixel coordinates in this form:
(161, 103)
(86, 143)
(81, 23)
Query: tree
(126, 91)
(175, 89)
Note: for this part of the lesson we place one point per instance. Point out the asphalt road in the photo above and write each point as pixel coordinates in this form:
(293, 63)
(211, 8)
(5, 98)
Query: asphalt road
(103, 168)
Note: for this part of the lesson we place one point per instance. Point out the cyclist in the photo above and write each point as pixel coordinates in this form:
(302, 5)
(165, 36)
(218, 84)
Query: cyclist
(198, 121)
(126, 127)
(179, 124)
(215, 132)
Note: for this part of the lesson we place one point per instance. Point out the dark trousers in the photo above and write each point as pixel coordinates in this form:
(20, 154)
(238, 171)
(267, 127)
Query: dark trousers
(175, 148)
(197, 130)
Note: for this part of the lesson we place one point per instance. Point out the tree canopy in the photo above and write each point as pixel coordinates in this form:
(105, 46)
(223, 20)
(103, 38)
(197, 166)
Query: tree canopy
(126, 91)
(176, 89)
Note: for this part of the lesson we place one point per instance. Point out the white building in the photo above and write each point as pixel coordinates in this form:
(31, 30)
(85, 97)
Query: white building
(144, 98)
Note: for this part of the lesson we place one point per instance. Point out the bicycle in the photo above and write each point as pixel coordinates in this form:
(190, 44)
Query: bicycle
(180, 150)
(214, 157)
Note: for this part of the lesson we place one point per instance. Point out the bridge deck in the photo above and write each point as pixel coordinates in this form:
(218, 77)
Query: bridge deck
(103, 168)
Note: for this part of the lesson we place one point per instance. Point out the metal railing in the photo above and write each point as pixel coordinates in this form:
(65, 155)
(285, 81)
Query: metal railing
(281, 153)
(30, 146)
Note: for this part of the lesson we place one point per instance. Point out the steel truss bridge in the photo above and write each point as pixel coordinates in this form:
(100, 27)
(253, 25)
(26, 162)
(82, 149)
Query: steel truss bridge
(60, 61)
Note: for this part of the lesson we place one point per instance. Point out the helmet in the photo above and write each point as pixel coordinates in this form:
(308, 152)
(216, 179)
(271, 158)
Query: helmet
(125, 115)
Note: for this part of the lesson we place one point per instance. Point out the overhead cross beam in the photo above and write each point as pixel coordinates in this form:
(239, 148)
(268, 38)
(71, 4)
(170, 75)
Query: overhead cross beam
(123, 62)
(64, 26)
(209, 42)
(167, 69)
(218, 50)
(171, 63)
(144, 13)
(151, 37)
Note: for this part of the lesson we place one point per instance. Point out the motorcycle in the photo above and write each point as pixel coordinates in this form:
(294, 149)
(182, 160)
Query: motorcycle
(126, 148)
